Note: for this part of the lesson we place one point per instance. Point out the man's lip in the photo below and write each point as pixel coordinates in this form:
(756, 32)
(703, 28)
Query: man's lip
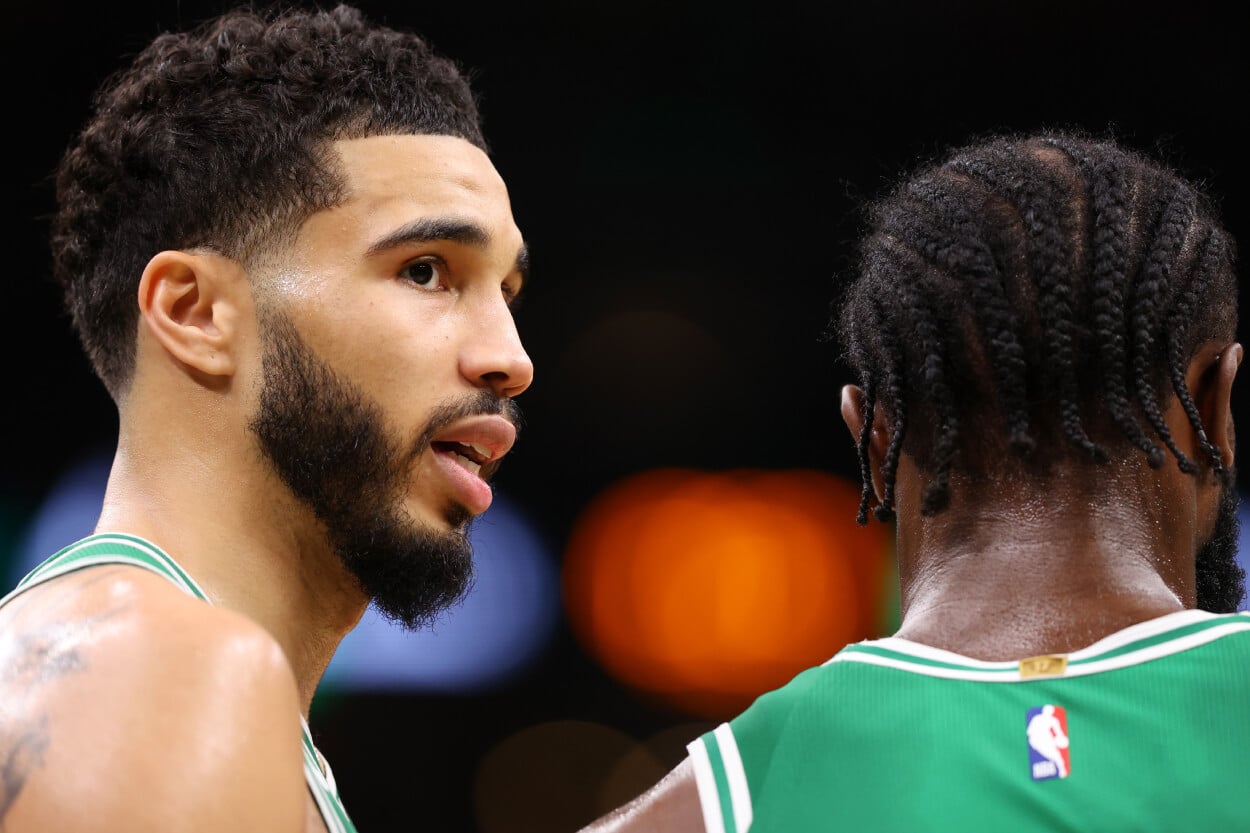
(492, 432)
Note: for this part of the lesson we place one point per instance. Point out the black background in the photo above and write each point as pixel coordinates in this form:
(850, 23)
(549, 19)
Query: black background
(689, 171)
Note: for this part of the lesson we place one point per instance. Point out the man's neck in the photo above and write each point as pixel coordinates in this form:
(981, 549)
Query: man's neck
(1001, 575)
(245, 540)
(1001, 610)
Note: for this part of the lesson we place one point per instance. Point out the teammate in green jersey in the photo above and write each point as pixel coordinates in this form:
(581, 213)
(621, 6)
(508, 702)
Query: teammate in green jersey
(1043, 327)
(291, 261)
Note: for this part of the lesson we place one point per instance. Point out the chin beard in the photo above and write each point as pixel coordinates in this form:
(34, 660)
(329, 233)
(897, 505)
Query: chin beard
(1220, 580)
(328, 443)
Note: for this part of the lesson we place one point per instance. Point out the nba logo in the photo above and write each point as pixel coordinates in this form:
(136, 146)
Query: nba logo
(1047, 731)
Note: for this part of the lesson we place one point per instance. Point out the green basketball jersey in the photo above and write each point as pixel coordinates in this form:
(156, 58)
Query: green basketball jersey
(114, 548)
(1146, 730)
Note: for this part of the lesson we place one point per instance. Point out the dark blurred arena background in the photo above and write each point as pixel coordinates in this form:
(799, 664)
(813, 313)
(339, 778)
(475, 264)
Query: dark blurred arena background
(674, 533)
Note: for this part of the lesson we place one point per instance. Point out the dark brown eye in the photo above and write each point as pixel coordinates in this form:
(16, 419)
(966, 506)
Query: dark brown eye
(424, 274)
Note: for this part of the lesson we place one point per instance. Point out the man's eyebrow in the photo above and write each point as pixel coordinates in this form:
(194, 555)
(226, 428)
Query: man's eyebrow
(455, 231)
(430, 230)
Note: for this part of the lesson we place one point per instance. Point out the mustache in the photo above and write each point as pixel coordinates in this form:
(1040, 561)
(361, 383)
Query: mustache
(482, 403)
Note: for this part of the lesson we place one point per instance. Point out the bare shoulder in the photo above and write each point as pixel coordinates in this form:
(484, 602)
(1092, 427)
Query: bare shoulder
(671, 806)
(110, 678)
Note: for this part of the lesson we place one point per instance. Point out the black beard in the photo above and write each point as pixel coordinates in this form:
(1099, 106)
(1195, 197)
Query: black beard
(1221, 582)
(328, 443)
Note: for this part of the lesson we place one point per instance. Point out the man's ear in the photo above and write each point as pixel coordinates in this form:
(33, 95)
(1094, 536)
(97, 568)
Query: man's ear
(1210, 381)
(878, 441)
(189, 303)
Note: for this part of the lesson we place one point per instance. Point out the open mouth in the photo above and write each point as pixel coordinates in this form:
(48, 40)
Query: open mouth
(471, 457)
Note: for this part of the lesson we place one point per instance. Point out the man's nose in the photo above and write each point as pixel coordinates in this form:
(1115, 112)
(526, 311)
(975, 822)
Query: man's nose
(492, 354)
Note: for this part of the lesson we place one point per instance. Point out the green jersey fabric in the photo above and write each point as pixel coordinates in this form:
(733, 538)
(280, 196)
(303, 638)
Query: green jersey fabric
(114, 548)
(1146, 730)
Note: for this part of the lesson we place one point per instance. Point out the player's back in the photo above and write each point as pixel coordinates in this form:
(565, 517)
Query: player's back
(1147, 730)
(127, 705)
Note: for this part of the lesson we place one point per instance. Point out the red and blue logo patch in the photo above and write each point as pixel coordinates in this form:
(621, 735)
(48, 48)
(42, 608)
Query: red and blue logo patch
(1047, 730)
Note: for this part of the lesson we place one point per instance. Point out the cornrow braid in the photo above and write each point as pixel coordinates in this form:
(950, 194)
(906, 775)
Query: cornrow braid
(1206, 267)
(891, 388)
(1032, 299)
(867, 413)
(1050, 257)
(1110, 232)
(861, 448)
(1151, 296)
(928, 331)
(955, 247)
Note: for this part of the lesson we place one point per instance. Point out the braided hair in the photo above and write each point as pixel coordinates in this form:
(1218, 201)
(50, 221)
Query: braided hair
(1034, 299)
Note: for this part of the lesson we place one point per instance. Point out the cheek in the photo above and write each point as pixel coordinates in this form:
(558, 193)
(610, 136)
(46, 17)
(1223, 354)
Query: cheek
(413, 347)
(407, 370)
(398, 350)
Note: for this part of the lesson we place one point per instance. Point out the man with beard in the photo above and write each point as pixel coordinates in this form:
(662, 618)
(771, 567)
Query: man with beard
(291, 262)
(1043, 331)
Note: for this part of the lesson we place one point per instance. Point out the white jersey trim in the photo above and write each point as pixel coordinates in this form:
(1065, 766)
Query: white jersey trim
(320, 784)
(705, 782)
(311, 776)
(1008, 672)
(736, 775)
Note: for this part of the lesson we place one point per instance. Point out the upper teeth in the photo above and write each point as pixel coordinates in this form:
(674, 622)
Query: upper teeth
(481, 450)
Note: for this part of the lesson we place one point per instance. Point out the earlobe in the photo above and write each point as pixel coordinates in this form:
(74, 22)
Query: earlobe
(185, 304)
(853, 416)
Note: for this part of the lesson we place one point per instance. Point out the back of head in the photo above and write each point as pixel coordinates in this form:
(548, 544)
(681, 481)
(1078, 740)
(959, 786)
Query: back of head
(220, 138)
(1032, 300)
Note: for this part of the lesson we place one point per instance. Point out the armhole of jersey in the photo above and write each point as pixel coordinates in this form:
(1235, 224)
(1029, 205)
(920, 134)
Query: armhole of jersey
(721, 781)
(736, 775)
(709, 798)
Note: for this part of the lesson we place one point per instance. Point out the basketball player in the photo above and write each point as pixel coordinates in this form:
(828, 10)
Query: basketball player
(1043, 327)
(290, 260)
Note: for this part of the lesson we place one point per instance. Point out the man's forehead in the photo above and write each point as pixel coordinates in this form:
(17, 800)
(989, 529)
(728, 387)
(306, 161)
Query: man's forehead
(416, 166)
(394, 181)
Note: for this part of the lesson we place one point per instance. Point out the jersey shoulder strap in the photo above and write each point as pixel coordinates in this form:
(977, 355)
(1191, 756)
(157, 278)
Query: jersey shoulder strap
(109, 548)
(324, 790)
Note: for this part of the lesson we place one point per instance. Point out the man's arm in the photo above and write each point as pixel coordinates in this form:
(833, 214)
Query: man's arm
(671, 806)
(127, 706)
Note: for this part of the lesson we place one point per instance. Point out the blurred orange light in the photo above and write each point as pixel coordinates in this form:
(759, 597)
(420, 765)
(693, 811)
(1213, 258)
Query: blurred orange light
(710, 589)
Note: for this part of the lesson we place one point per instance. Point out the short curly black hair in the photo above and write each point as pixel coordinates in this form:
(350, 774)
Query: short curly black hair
(1030, 299)
(219, 137)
